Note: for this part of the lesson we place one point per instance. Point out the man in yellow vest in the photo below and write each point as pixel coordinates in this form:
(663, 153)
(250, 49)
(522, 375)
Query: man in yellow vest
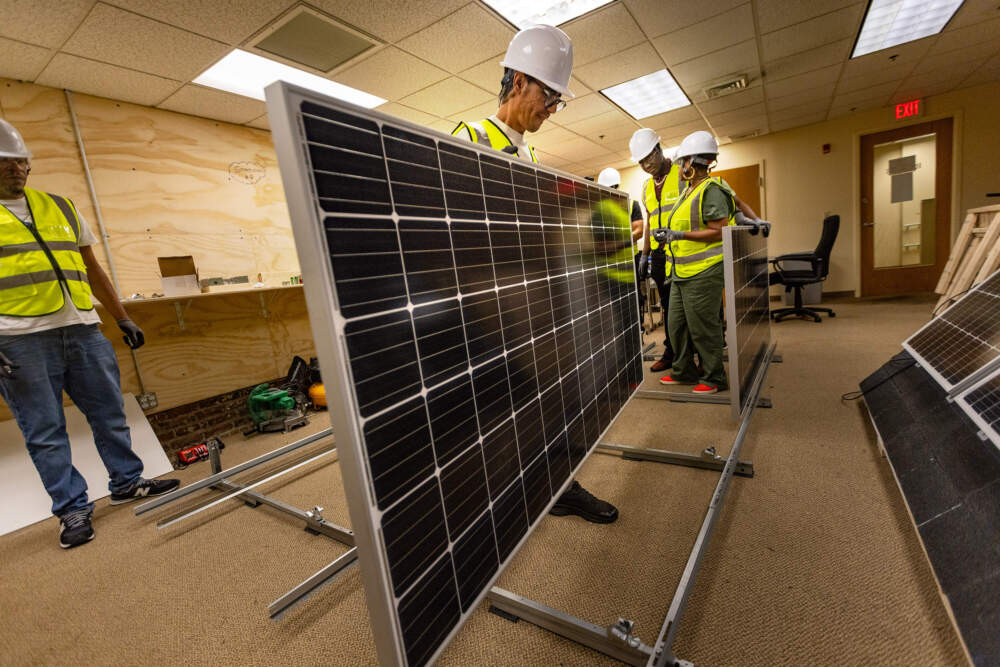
(659, 193)
(50, 342)
(537, 69)
(693, 239)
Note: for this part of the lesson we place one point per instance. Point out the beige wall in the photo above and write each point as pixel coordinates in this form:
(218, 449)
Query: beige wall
(802, 184)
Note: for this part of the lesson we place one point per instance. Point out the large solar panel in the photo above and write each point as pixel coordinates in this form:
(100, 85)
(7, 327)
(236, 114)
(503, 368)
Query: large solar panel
(748, 314)
(476, 325)
(964, 338)
(982, 403)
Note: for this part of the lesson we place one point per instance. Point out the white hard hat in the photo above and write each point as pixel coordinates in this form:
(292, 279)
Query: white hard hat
(545, 53)
(642, 143)
(11, 143)
(610, 177)
(698, 143)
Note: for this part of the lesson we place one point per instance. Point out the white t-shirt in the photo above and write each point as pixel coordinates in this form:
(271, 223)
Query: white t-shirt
(69, 314)
(516, 138)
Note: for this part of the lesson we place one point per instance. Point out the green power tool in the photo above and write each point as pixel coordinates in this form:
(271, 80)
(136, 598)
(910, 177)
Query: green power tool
(274, 409)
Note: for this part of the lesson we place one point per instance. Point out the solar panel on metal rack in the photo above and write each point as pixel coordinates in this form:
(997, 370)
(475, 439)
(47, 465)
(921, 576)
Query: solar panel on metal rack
(748, 315)
(982, 404)
(963, 338)
(483, 312)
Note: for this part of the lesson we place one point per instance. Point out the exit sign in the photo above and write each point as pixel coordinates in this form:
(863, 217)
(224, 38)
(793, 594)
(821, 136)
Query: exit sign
(909, 109)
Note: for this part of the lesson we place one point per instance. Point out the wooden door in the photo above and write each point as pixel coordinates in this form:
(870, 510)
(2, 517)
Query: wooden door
(905, 208)
(745, 181)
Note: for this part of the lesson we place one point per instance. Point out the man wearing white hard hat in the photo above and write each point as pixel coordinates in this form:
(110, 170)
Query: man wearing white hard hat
(50, 342)
(612, 179)
(659, 194)
(692, 236)
(537, 68)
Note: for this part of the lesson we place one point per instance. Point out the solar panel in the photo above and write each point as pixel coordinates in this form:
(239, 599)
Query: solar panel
(964, 338)
(474, 340)
(748, 314)
(982, 404)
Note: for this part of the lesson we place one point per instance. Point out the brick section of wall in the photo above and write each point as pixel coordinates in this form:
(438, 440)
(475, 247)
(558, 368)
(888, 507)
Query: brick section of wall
(194, 423)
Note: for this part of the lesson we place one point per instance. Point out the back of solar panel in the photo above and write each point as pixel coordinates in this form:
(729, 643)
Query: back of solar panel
(477, 323)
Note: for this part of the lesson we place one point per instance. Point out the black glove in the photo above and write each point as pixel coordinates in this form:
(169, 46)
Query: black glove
(7, 367)
(133, 337)
(667, 235)
(643, 268)
(764, 226)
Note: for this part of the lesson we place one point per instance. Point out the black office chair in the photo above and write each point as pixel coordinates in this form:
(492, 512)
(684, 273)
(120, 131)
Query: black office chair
(796, 279)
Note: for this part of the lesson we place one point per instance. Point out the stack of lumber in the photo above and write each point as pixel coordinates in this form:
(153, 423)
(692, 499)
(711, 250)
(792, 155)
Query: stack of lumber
(975, 255)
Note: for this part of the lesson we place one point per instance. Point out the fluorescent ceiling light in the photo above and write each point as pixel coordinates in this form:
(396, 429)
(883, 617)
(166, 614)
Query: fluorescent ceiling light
(892, 22)
(247, 74)
(525, 13)
(648, 95)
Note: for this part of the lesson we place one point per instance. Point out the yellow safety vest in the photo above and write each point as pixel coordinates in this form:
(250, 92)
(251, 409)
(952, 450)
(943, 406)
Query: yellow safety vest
(613, 215)
(655, 208)
(487, 132)
(35, 259)
(689, 258)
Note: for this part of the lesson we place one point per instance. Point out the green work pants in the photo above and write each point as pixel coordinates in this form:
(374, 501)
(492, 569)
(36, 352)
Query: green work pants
(694, 326)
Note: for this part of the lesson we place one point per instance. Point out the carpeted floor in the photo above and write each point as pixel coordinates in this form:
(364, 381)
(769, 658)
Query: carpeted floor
(814, 560)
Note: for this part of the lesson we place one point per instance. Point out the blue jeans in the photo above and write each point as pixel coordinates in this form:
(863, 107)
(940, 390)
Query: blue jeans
(80, 360)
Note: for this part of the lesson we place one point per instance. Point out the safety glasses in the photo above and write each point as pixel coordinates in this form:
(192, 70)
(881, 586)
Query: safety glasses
(552, 97)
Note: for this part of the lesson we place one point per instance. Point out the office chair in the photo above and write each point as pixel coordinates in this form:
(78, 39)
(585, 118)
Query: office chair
(796, 279)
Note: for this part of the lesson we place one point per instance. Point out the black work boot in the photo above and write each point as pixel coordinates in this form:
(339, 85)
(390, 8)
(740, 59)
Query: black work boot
(577, 500)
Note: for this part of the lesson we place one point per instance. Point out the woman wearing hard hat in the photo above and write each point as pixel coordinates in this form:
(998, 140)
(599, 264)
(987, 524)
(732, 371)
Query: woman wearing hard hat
(537, 68)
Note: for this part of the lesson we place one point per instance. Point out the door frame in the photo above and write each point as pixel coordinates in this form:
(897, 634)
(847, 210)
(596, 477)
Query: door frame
(902, 279)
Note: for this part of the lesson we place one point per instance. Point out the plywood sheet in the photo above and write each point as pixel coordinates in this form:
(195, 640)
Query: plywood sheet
(23, 500)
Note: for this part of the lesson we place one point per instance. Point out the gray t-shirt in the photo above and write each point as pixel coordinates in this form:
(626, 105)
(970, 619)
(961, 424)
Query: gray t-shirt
(69, 314)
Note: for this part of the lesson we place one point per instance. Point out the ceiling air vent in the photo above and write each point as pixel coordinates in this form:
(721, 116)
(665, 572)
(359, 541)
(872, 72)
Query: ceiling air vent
(727, 87)
(305, 37)
(745, 135)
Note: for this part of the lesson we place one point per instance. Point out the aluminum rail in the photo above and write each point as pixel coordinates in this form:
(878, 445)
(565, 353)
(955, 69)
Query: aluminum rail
(211, 480)
(243, 489)
(662, 656)
(325, 575)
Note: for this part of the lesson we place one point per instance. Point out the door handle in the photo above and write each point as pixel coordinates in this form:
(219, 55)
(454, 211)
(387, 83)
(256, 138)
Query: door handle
(867, 224)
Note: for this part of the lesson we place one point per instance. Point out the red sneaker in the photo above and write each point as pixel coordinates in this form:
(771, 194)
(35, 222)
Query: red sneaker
(703, 389)
(666, 379)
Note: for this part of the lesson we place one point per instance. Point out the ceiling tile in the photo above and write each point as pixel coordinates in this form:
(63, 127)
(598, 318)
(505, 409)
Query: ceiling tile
(729, 117)
(960, 38)
(972, 53)
(807, 35)
(103, 80)
(852, 83)
(475, 113)
(442, 125)
(460, 40)
(671, 136)
(197, 100)
(584, 107)
(630, 64)
(656, 19)
(117, 37)
(391, 74)
(230, 21)
(580, 149)
(839, 109)
(550, 140)
(447, 97)
(901, 58)
(793, 84)
(798, 111)
(742, 126)
(912, 91)
(973, 12)
(952, 73)
(22, 61)
(703, 37)
(406, 113)
(680, 116)
(603, 123)
(881, 91)
(797, 98)
(981, 76)
(45, 23)
(775, 14)
(601, 33)
(801, 121)
(577, 88)
(739, 100)
(833, 53)
(486, 74)
(261, 123)
(394, 20)
(737, 59)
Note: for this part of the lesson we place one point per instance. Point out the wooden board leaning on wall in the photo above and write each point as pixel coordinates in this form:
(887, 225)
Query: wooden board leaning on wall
(228, 340)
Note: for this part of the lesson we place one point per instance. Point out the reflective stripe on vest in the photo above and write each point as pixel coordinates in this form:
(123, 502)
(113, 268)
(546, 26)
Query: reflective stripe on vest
(35, 260)
(487, 132)
(689, 258)
(613, 216)
(656, 208)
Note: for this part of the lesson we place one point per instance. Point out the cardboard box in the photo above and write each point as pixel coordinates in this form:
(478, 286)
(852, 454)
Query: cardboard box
(179, 276)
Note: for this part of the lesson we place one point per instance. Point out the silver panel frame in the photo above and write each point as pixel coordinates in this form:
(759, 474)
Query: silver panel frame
(327, 324)
(989, 431)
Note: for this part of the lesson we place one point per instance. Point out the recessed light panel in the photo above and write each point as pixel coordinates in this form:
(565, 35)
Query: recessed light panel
(892, 22)
(648, 95)
(247, 74)
(525, 13)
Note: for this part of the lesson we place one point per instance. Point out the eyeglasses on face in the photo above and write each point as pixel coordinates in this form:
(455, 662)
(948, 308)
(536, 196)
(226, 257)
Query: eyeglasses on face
(552, 97)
